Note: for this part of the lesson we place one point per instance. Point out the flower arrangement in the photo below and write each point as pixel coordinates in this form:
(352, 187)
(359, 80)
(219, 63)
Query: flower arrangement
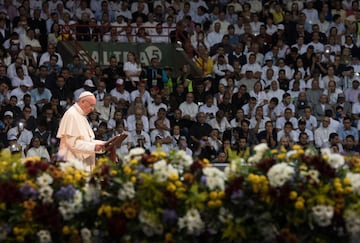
(274, 196)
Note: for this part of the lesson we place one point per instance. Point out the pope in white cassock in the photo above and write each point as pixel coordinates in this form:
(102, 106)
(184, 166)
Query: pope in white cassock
(77, 139)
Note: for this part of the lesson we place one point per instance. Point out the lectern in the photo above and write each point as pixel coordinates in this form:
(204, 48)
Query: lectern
(112, 144)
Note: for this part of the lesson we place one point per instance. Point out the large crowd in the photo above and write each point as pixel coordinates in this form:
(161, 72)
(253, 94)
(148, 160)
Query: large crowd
(280, 72)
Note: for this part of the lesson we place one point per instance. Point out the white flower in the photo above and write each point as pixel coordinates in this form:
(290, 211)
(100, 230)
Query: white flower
(334, 160)
(150, 223)
(66, 210)
(91, 192)
(314, 176)
(74, 163)
(85, 235)
(279, 174)
(215, 178)
(126, 191)
(233, 167)
(45, 193)
(323, 214)
(44, 180)
(225, 215)
(352, 222)
(354, 181)
(163, 171)
(44, 236)
(192, 222)
(259, 149)
(78, 198)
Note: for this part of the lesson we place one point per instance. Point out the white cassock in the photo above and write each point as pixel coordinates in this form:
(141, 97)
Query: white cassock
(77, 139)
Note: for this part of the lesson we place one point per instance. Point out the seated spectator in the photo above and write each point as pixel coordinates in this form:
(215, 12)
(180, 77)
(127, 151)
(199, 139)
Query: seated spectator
(40, 95)
(23, 135)
(117, 118)
(334, 140)
(248, 133)
(131, 120)
(160, 115)
(105, 108)
(126, 144)
(37, 150)
(350, 147)
(289, 132)
(347, 129)
(139, 137)
(322, 133)
(288, 117)
(269, 135)
(154, 107)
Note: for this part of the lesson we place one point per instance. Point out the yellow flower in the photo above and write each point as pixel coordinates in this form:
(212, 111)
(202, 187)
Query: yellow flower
(15, 177)
(127, 170)
(281, 156)
(22, 177)
(211, 204)
(206, 161)
(346, 181)
(133, 179)
(348, 189)
(113, 172)
(301, 199)
(29, 204)
(293, 195)
(178, 183)
(218, 203)
(213, 195)
(101, 161)
(171, 187)
(130, 212)
(105, 209)
(221, 194)
(134, 162)
(296, 147)
(326, 157)
(173, 177)
(116, 209)
(18, 231)
(2, 206)
(300, 152)
(168, 236)
(77, 176)
(274, 151)
(20, 239)
(162, 154)
(66, 230)
(299, 205)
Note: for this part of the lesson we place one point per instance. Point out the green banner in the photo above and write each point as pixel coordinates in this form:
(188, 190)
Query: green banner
(101, 52)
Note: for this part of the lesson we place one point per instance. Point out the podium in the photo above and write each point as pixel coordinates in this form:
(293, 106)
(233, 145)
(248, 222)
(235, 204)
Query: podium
(112, 144)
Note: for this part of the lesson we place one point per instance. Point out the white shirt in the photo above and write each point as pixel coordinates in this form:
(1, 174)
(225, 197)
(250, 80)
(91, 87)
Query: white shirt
(25, 137)
(222, 127)
(131, 121)
(146, 98)
(125, 95)
(38, 152)
(189, 109)
(214, 37)
(132, 68)
(143, 134)
(45, 57)
(154, 108)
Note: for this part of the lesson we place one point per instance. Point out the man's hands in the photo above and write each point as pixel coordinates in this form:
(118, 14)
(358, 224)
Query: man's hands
(99, 148)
